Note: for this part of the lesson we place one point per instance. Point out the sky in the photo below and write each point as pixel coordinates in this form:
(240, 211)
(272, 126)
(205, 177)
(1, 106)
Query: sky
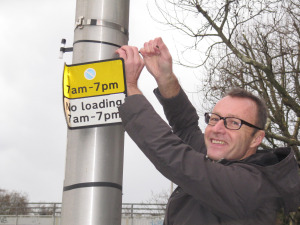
(33, 130)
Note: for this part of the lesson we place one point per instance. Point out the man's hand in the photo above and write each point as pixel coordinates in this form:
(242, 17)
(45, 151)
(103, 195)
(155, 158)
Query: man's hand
(158, 61)
(134, 65)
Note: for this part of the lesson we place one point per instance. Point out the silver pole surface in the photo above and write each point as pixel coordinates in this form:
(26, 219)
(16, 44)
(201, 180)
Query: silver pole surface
(94, 160)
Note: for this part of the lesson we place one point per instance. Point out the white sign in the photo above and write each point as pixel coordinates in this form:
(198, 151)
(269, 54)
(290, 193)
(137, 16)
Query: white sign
(85, 112)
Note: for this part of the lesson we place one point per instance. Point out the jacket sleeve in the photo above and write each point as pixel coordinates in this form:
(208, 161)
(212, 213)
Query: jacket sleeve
(183, 119)
(230, 190)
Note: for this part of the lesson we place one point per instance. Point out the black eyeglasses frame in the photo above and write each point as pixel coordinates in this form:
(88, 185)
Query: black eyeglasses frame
(207, 117)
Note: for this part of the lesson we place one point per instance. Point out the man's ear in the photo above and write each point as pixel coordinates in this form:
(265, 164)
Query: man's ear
(257, 139)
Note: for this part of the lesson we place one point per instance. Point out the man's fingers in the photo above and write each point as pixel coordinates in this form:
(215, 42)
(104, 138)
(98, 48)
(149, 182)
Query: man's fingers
(122, 53)
(128, 53)
(159, 42)
(150, 48)
(133, 60)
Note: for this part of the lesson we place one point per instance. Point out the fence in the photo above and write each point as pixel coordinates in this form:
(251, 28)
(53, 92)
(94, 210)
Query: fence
(49, 214)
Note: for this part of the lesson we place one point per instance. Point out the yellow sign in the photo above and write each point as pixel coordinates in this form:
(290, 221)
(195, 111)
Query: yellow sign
(93, 92)
(94, 79)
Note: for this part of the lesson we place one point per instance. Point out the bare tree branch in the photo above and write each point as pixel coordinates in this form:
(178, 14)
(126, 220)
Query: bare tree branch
(256, 46)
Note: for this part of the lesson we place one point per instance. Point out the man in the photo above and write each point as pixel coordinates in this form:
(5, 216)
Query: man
(221, 178)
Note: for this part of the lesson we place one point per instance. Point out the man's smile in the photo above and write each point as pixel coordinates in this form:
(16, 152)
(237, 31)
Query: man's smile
(215, 141)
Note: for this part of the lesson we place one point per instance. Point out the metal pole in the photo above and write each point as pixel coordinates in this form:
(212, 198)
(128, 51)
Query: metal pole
(94, 159)
(53, 213)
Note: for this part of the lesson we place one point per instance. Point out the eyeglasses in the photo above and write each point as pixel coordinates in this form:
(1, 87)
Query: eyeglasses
(230, 123)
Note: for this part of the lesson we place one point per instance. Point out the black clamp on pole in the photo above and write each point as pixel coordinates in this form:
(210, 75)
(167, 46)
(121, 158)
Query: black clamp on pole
(63, 49)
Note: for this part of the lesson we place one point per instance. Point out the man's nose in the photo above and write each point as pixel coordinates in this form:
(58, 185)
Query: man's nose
(220, 126)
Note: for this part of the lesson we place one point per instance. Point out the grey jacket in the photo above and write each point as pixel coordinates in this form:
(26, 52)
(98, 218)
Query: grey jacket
(249, 191)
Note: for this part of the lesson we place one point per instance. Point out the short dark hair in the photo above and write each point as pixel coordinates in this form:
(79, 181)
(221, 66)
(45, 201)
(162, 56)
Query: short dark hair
(262, 110)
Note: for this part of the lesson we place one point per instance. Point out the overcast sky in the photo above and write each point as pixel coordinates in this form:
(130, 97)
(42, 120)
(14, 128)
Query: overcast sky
(32, 124)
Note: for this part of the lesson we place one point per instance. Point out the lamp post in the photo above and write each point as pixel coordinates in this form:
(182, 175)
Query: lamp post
(94, 158)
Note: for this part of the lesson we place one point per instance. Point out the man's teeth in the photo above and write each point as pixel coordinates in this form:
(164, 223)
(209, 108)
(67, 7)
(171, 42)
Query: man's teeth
(218, 142)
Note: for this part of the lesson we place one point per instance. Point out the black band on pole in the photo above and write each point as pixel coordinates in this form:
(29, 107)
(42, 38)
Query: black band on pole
(99, 42)
(93, 184)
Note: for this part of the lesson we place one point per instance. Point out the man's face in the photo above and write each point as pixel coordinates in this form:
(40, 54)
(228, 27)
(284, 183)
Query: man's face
(232, 144)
